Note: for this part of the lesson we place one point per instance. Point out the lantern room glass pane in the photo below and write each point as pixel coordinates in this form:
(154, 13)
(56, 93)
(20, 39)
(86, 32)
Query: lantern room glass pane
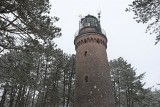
(89, 21)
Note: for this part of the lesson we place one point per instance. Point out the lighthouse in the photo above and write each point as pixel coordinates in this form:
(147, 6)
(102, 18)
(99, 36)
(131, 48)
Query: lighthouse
(93, 82)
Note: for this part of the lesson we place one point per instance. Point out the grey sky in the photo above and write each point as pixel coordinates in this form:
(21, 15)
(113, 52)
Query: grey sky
(126, 38)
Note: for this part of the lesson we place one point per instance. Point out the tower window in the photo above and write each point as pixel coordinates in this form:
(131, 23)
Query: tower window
(86, 78)
(85, 53)
(98, 41)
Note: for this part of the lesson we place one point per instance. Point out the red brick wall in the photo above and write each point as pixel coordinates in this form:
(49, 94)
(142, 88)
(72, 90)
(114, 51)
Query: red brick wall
(97, 91)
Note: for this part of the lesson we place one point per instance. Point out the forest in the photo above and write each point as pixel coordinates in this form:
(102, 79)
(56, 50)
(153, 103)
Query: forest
(35, 73)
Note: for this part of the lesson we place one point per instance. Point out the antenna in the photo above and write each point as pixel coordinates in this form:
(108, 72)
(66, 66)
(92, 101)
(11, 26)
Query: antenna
(99, 15)
(80, 20)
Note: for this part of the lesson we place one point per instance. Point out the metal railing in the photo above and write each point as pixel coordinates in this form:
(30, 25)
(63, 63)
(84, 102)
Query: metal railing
(80, 32)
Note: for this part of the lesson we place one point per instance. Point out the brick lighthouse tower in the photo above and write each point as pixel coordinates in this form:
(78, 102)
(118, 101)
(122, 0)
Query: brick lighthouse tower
(93, 83)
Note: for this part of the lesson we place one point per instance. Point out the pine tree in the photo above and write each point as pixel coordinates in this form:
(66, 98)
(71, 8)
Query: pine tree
(147, 11)
(26, 21)
(126, 84)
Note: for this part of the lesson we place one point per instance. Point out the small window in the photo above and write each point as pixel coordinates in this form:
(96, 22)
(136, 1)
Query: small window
(98, 41)
(85, 53)
(86, 78)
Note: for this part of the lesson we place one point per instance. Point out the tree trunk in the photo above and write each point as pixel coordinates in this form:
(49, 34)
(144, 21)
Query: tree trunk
(53, 97)
(12, 96)
(69, 87)
(38, 67)
(19, 95)
(22, 97)
(64, 87)
(3, 97)
(33, 98)
(56, 90)
(119, 94)
(26, 104)
(37, 103)
(45, 99)
(45, 84)
(115, 92)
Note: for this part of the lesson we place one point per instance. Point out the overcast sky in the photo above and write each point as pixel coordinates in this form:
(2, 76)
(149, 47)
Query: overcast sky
(126, 38)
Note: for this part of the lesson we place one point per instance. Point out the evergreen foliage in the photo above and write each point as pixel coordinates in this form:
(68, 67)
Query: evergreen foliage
(147, 11)
(33, 79)
(34, 73)
(128, 88)
(26, 21)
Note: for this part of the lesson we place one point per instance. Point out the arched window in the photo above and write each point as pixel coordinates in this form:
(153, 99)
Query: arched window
(86, 78)
(98, 41)
(85, 53)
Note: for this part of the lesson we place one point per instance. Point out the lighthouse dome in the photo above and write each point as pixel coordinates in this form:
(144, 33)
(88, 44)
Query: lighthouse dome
(90, 21)
(89, 24)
